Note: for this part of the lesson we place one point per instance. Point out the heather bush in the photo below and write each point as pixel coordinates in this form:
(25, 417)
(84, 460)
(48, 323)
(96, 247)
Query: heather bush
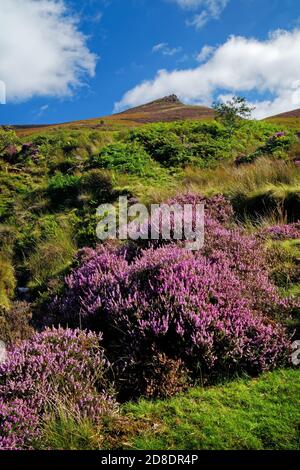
(246, 254)
(281, 232)
(189, 307)
(217, 207)
(19, 424)
(53, 368)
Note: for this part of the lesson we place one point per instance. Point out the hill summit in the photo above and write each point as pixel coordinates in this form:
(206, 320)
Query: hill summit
(166, 109)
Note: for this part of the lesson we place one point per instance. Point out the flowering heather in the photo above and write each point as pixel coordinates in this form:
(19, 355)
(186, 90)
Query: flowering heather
(171, 301)
(213, 309)
(54, 367)
(19, 424)
(281, 232)
(217, 207)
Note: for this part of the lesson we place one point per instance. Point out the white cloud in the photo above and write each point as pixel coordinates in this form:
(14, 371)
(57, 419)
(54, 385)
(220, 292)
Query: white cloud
(211, 9)
(199, 20)
(240, 65)
(42, 110)
(165, 49)
(42, 51)
(205, 53)
(193, 4)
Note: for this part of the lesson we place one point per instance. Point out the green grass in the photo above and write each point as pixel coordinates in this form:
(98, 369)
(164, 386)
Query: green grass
(66, 431)
(263, 188)
(258, 414)
(58, 178)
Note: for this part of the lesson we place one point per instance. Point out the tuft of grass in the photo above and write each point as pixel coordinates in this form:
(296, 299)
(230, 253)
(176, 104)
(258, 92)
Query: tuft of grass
(231, 180)
(51, 257)
(265, 188)
(64, 430)
(258, 414)
(7, 282)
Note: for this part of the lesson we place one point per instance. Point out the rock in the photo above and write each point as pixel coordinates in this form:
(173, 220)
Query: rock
(171, 99)
(23, 290)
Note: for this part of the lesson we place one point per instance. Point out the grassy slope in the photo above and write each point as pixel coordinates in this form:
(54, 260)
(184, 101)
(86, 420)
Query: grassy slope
(256, 414)
(261, 413)
(291, 121)
(39, 235)
(161, 110)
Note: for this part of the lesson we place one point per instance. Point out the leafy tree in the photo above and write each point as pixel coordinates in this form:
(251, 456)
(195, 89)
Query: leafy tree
(233, 112)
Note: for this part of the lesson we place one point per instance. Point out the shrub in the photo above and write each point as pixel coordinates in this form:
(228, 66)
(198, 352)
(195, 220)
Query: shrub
(277, 146)
(99, 184)
(124, 158)
(164, 147)
(7, 138)
(63, 187)
(170, 301)
(281, 232)
(15, 323)
(54, 368)
(154, 376)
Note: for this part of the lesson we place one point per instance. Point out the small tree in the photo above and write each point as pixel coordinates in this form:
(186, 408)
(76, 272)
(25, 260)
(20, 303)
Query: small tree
(233, 112)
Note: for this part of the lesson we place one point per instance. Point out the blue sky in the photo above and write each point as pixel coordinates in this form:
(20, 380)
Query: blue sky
(64, 60)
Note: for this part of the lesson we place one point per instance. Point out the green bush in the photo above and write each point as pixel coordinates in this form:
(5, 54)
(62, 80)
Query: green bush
(99, 184)
(63, 187)
(7, 137)
(7, 283)
(164, 147)
(124, 158)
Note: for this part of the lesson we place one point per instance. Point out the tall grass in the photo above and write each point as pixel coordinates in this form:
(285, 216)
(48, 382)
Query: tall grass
(51, 257)
(230, 180)
(66, 430)
(7, 281)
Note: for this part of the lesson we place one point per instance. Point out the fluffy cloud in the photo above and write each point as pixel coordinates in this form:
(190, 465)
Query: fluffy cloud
(42, 52)
(269, 68)
(205, 53)
(211, 9)
(165, 49)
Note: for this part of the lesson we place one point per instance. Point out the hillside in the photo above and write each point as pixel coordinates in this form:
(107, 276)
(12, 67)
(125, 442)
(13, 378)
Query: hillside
(289, 118)
(167, 109)
(144, 296)
(289, 114)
